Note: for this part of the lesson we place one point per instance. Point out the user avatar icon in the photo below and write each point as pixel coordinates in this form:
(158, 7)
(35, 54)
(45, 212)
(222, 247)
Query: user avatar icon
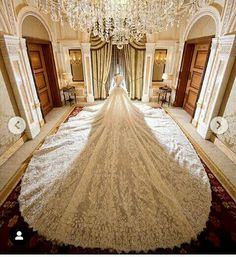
(19, 236)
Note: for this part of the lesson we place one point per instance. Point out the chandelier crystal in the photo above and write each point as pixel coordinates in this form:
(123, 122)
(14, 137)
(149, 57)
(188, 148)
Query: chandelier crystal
(121, 21)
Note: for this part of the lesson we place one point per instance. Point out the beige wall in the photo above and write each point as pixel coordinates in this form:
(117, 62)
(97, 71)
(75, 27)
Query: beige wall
(8, 109)
(32, 27)
(66, 32)
(205, 26)
(228, 111)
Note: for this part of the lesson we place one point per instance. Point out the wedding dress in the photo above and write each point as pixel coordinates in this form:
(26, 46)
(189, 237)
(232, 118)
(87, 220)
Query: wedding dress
(120, 176)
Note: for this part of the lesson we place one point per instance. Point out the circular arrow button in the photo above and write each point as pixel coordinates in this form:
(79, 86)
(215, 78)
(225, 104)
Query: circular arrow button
(16, 125)
(219, 125)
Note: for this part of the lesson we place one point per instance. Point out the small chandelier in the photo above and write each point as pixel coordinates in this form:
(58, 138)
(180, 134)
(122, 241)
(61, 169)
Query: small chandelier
(160, 58)
(75, 58)
(122, 21)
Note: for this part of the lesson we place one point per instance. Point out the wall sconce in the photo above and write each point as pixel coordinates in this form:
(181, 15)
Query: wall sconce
(160, 57)
(75, 57)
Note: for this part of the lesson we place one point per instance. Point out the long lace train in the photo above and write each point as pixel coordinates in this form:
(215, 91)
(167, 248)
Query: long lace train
(118, 175)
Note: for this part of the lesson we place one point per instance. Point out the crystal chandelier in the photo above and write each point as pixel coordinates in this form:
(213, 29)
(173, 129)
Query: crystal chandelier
(121, 21)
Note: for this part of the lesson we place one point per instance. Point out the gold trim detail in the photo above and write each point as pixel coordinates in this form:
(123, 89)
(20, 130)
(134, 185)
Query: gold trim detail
(41, 123)
(14, 180)
(199, 105)
(195, 123)
(35, 106)
(230, 154)
(12, 149)
(229, 187)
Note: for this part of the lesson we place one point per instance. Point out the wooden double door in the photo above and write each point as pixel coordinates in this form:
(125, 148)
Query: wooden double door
(192, 71)
(196, 74)
(40, 76)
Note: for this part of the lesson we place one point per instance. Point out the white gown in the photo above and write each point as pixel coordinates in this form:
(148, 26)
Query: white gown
(119, 176)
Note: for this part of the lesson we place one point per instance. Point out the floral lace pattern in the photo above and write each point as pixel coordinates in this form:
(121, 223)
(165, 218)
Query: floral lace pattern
(118, 175)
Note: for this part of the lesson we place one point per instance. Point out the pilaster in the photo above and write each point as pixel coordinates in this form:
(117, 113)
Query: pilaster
(228, 11)
(86, 55)
(9, 7)
(26, 99)
(148, 69)
(217, 83)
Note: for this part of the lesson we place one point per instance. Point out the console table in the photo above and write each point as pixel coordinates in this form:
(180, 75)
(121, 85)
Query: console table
(69, 94)
(164, 95)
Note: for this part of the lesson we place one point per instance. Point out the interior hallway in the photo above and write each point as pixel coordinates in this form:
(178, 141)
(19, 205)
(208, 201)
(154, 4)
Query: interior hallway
(12, 169)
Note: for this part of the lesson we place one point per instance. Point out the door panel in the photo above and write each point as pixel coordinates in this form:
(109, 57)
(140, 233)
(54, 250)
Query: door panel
(196, 79)
(35, 59)
(191, 100)
(41, 78)
(184, 74)
(200, 59)
(198, 65)
(44, 97)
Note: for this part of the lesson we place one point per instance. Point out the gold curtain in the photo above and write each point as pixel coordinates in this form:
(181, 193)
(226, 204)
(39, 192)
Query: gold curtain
(134, 59)
(101, 62)
(117, 65)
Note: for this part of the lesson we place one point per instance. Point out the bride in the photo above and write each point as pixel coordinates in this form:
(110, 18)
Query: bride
(118, 175)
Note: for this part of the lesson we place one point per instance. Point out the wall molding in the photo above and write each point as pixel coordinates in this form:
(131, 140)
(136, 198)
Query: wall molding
(12, 149)
(32, 11)
(229, 153)
(4, 21)
(207, 11)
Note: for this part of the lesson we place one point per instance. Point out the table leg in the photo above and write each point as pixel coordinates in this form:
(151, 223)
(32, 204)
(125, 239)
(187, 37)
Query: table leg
(75, 98)
(64, 98)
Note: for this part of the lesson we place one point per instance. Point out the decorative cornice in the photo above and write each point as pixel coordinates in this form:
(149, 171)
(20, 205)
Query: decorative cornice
(11, 44)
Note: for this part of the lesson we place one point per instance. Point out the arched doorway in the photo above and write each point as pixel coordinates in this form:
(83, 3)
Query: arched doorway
(42, 63)
(195, 56)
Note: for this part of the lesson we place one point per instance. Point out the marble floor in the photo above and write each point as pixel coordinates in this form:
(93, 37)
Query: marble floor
(55, 117)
